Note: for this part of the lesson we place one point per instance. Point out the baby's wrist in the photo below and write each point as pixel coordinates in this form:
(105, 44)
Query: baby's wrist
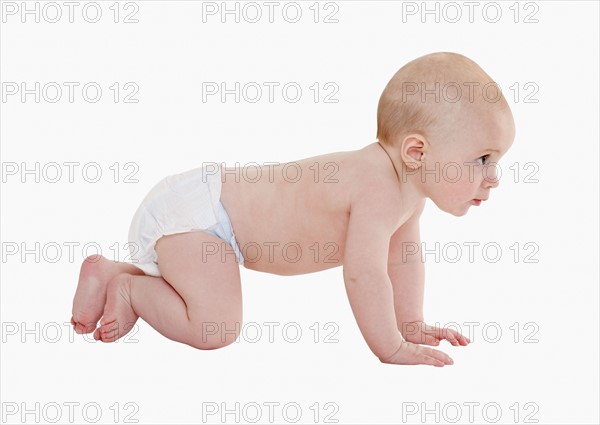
(410, 319)
(409, 326)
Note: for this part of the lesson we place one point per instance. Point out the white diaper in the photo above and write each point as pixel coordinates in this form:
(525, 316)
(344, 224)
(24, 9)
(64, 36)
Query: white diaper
(180, 203)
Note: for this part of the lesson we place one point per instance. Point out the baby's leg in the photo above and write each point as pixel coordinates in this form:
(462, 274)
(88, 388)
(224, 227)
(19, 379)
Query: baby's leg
(196, 301)
(90, 297)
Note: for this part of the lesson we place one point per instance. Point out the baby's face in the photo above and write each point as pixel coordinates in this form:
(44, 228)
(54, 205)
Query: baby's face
(466, 161)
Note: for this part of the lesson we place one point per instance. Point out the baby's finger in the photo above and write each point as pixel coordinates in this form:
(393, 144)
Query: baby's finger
(432, 361)
(449, 336)
(430, 340)
(439, 355)
(463, 340)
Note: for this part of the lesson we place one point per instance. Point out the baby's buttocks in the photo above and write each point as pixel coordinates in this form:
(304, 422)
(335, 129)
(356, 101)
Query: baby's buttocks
(178, 203)
(189, 199)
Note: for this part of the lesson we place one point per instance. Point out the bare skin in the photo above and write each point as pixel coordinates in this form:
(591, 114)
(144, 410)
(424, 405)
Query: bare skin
(312, 213)
(90, 297)
(355, 209)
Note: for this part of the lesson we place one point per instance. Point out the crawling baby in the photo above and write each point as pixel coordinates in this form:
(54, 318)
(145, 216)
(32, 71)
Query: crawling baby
(356, 209)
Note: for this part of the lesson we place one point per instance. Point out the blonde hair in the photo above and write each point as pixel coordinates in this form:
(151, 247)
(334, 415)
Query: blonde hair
(420, 96)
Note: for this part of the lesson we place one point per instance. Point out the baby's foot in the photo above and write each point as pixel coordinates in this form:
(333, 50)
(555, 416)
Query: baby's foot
(119, 316)
(90, 297)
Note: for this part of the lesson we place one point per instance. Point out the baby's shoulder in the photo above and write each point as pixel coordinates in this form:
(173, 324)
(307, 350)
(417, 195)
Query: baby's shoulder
(372, 184)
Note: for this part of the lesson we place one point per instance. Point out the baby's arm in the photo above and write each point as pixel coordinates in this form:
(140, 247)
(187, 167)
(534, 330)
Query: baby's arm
(369, 287)
(407, 273)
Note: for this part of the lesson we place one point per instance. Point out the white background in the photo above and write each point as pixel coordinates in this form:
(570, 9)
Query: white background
(169, 53)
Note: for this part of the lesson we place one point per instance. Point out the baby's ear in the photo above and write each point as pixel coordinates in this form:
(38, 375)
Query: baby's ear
(412, 150)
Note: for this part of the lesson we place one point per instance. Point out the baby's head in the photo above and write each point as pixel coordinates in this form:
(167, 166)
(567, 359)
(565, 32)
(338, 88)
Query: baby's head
(448, 124)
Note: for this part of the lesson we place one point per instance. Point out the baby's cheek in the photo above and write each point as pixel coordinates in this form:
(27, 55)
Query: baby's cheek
(463, 188)
(453, 175)
(471, 176)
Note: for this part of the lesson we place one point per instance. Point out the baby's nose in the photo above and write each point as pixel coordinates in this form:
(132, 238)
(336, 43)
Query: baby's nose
(490, 178)
(494, 184)
(491, 183)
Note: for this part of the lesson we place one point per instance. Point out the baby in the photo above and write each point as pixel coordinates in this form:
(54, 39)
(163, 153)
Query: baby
(442, 124)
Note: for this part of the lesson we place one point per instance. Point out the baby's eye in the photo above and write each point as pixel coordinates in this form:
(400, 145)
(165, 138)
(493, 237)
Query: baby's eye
(482, 159)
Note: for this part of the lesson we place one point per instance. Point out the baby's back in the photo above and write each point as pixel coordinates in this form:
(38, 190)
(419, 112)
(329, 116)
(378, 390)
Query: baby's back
(294, 218)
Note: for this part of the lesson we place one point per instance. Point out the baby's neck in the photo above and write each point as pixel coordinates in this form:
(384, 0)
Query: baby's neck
(391, 160)
(408, 181)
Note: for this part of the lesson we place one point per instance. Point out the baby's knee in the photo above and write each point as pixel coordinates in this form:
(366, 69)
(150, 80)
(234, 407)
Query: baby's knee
(213, 335)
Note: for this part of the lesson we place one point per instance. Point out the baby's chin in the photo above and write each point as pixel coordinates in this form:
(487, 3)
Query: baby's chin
(455, 210)
(458, 211)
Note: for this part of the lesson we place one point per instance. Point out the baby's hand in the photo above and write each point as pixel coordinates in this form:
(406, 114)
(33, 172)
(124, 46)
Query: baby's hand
(422, 333)
(412, 354)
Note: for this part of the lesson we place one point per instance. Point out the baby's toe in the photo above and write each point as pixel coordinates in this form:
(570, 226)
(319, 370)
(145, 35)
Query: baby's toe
(109, 332)
(81, 328)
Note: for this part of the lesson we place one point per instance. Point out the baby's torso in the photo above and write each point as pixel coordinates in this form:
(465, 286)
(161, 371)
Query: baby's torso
(293, 219)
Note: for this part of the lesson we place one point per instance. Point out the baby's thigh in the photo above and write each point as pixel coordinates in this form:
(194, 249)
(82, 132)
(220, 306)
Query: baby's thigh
(208, 282)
